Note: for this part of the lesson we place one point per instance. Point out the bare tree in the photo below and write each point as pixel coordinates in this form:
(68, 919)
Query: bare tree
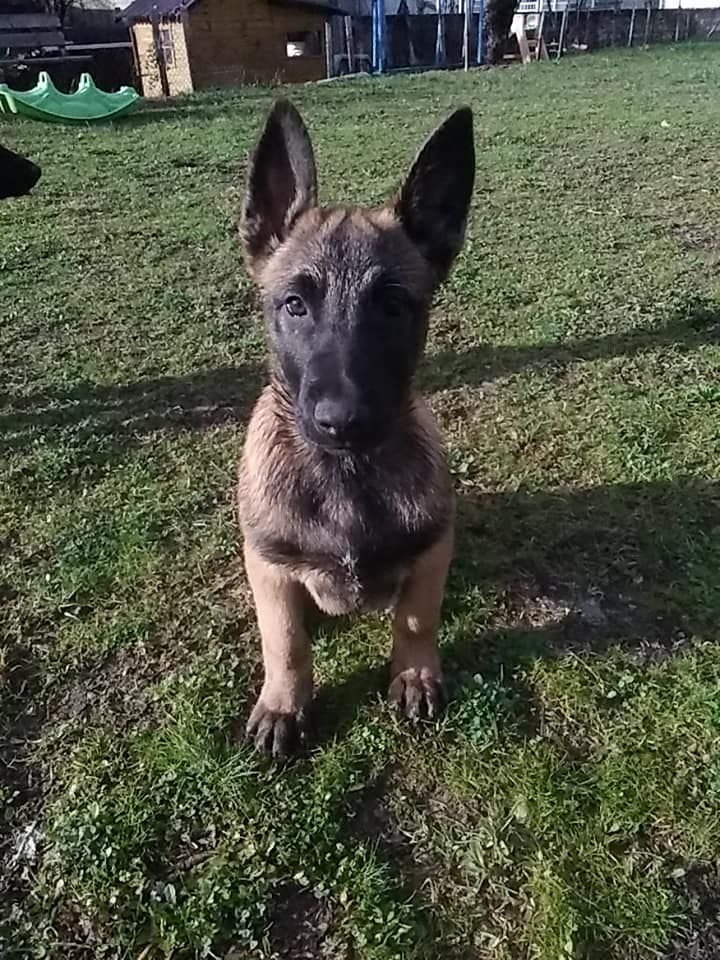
(60, 8)
(498, 20)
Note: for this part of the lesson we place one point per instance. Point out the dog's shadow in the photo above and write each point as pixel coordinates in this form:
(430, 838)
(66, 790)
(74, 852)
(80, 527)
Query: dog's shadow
(544, 574)
(630, 563)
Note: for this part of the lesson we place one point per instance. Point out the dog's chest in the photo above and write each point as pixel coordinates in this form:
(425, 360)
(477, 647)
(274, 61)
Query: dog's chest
(353, 549)
(343, 584)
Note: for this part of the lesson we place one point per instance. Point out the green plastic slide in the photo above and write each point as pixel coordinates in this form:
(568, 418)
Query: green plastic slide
(46, 102)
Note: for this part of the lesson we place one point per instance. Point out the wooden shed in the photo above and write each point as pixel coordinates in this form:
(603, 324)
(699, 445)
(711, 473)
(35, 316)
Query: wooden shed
(186, 45)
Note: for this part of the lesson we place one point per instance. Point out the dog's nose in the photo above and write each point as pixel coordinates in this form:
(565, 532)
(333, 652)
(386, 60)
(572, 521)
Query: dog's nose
(338, 420)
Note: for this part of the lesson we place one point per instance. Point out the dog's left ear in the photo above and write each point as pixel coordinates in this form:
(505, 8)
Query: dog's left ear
(434, 200)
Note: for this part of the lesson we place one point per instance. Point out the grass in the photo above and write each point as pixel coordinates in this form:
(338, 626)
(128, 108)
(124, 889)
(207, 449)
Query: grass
(567, 805)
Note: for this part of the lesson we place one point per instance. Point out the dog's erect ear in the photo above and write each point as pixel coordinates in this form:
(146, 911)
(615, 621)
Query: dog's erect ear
(282, 183)
(434, 200)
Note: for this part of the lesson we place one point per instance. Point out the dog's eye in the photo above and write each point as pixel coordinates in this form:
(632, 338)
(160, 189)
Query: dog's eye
(392, 299)
(295, 307)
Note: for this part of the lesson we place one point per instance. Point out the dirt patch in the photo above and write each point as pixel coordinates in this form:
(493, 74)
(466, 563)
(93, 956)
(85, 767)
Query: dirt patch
(301, 926)
(372, 818)
(698, 238)
(581, 620)
(699, 889)
(116, 689)
(21, 780)
(401, 838)
(469, 877)
(527, 605)
(569, 615)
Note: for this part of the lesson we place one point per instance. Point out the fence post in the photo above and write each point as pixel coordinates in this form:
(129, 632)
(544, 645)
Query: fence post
(466, 36)
(158, 51)
(563, 28)
(648, 15)
(378, 36)
(440, 37)
(632, 28)
(481, 31)
(328, 49)
(349, 44)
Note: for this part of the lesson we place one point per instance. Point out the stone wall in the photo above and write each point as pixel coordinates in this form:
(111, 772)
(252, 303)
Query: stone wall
(177, 64)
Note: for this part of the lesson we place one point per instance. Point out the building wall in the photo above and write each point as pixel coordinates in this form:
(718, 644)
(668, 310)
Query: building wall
(147, 66)
(177, 61)
(232, 43)
(179, 71)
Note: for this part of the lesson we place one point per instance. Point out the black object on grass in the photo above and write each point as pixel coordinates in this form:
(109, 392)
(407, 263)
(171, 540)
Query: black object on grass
(18, 175)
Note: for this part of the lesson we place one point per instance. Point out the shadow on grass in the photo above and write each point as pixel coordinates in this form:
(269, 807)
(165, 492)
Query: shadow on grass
(21, 783)
(208, 105)
(578, 570)
(88, 411)
(695, 325)
(98, 423)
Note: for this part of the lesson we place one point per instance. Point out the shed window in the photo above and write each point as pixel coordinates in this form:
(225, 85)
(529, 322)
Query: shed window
(167, 46)
(306, 44)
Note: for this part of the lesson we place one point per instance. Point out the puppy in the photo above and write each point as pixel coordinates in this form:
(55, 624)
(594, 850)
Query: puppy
(344, 493)
(17, 174)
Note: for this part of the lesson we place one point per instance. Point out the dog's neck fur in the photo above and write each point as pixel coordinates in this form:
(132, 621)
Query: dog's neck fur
(382, 507)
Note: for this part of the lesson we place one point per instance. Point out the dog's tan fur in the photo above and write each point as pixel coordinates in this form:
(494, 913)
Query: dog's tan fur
(317, 531)
(273, 458)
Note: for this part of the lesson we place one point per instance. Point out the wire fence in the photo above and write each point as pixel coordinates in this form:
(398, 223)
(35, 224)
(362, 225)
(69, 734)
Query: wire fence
(427, 41)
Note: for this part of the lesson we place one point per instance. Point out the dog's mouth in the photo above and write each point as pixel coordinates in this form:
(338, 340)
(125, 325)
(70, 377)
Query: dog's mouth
(353, 444)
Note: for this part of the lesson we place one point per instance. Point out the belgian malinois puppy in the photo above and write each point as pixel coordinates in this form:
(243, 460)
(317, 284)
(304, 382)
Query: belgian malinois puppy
(344, 493)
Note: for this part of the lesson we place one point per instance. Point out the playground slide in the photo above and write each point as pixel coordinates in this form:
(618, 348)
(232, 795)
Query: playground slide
(46, 102)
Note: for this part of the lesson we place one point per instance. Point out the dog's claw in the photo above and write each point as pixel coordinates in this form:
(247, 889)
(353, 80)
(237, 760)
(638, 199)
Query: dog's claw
(417, 693)
(276, 733)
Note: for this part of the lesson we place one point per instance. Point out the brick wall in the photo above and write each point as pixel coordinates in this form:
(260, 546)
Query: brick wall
(233, 42)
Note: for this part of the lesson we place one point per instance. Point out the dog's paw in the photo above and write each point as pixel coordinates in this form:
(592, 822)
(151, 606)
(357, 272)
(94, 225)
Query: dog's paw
(418, 693)
(277, 733)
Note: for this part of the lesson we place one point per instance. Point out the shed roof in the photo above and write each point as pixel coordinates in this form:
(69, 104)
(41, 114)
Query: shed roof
(144, 9)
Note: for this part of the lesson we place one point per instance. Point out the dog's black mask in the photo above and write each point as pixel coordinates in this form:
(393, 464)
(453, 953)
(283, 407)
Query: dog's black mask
(347, 290)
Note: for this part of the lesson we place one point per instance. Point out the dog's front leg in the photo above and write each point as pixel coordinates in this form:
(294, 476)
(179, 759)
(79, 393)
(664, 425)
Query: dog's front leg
(279, 719)
(416, 685)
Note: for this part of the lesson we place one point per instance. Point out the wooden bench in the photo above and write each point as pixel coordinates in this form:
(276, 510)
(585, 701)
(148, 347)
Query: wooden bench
(27, 37)
(21, 32)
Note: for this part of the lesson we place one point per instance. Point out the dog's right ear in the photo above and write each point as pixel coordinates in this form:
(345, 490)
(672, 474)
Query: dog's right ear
(282, 183)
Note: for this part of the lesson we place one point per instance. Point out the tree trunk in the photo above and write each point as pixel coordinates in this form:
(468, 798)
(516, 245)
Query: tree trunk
(498, 20)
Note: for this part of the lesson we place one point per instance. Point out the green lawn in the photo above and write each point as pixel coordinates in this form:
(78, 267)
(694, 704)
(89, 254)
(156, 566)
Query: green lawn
(567, 805)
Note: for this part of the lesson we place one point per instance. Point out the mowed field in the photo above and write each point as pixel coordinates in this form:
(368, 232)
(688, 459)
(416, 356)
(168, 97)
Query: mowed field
(567, 804)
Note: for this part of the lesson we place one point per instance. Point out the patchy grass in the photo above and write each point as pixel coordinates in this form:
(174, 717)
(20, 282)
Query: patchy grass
(568, 803)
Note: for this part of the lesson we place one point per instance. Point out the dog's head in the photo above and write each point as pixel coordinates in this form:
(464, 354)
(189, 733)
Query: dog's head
(17, 175)
(347, 290)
